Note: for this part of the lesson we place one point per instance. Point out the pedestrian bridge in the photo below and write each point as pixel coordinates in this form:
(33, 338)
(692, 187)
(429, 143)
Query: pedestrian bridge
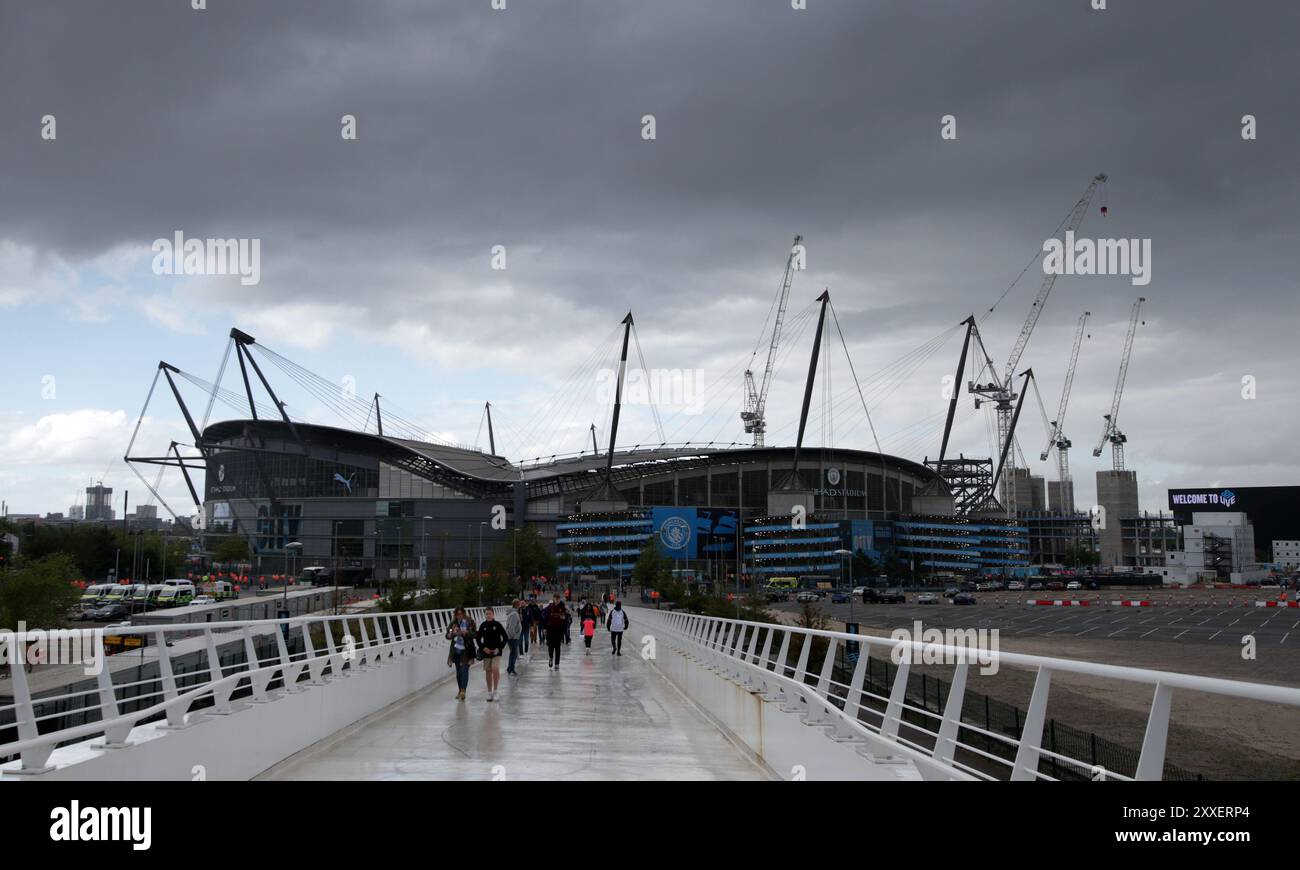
(371, 697)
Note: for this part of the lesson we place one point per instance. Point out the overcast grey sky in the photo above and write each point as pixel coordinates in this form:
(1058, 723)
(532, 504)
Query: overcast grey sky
(522, 128)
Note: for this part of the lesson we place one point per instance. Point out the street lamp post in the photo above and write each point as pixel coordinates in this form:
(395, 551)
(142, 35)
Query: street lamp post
(424, 547)
(290, 550)
(842, 553)
(480, 563)
(379, 548)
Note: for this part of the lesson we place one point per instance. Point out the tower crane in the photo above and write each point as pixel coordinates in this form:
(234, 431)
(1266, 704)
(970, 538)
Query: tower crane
(1111, 432)
(754, 414)
(1056, 438)
(1001, 390)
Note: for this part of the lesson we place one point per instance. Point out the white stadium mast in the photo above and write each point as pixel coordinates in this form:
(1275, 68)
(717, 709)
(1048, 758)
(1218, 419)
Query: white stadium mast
(754, 414)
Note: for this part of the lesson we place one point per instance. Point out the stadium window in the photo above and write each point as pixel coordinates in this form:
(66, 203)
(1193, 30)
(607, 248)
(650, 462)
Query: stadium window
(725, 489)
(693, 490)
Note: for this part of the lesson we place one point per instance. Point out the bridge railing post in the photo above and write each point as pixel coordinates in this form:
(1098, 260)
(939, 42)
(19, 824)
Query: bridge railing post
(257, 682)
(333, 655)
(167, 679)
(115, 735)
(945, 745)
(364, 654)
(897, 698)
(315, 665)
(1151, 763)
(220, 693)
(1031, 736)
(33, 758)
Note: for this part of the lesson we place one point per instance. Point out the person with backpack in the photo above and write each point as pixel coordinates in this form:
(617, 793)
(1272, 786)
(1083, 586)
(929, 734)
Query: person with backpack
(492, 639)
(617, 624)
(557, 623)
(461, 633)
(514, 634)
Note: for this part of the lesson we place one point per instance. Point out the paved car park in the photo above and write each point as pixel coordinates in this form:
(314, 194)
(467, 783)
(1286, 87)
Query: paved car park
(1186, 622)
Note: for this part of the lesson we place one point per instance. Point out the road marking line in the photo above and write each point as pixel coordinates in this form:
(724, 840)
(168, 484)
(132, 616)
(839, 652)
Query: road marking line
(1216, 634)
(1149, 632)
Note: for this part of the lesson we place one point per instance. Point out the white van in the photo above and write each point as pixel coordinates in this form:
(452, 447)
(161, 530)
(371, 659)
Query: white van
(176, 593)
(93, 594)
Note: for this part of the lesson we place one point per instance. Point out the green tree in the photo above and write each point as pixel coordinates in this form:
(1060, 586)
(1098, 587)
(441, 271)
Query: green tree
(863, 566)
(532, 554)
(233, 548)
(653, 571)
(39, 592)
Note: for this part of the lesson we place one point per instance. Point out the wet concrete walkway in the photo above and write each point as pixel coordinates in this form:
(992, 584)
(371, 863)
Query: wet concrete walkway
(599, 717)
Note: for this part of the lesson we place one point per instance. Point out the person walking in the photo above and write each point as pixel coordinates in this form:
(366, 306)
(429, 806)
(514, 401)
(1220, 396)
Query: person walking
(568, 623)
(535, 626)
(557, 623)
(492, 639)
(588, 630)
(617, 624)
(526, 621)
(514, 634)
(460, 654)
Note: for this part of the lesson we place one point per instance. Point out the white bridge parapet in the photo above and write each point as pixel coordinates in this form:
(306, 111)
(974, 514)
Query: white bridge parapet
(261, 691)
(222, 721)
(753, 678)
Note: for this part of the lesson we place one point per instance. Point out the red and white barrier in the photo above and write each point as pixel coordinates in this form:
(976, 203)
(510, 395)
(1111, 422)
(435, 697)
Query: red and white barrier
(1048, 602)
(1130, 604)
(1277, 603)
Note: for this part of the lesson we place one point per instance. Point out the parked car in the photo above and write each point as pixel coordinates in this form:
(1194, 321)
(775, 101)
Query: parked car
(1036, 585)
(883, 596)
(203, 599)
(1055, 585)
(1015, 586)
(1073, 584)
(1092, 584)
(951, 591)
(807, 596)
(927, 598)
(963, 598)
(840, 598)
(969, 586)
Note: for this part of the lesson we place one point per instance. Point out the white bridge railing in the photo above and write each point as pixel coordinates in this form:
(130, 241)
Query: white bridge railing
(260, 660)
(772, 662)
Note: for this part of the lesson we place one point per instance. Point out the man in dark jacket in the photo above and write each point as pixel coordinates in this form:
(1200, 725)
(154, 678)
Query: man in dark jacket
(492, 639)
(535, 626)
(555, 618)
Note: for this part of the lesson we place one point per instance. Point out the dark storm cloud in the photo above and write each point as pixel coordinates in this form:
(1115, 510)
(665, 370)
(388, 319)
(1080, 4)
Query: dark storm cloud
(522, 128)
